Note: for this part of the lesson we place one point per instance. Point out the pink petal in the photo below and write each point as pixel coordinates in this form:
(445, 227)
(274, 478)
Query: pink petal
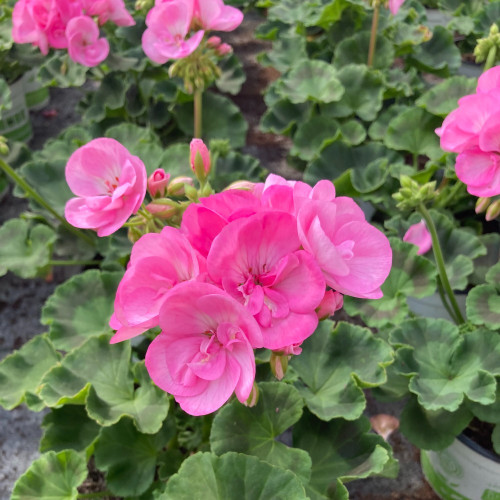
(419, 235)
(489, 80)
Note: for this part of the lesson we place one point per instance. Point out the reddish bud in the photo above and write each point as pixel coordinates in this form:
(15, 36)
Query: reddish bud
(160, 210)
(244, 185)
(158, 182)
(214, 42)
(224, 49)
(200, 159)
(332, 301)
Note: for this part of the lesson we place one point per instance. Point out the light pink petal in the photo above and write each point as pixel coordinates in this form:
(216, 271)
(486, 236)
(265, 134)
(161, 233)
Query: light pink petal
(480, 171)
(293, 329)
(78, 214)
(419, 235)
(126, 332)
(489, 80)
(489, 136)
(244, 356)
(395, 5)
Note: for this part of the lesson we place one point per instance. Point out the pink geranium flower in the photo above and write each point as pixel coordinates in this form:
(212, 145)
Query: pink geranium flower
(204, 352)
(109, 10)
(395, 5)
(158, 262)
(257, 261)
(480, 171)
(419, 235)
(168, 25)
(354, 256)
(158, 182)
(214, 15)
(84, 45)
(110, 185)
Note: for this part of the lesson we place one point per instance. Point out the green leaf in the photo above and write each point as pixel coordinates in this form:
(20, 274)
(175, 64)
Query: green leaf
(286, 52)
(313, 135)
(483, 306)
(234, 167)
(335, 366)
(68, 428)
(495, 438)
(487, 413)
(232, 76)
(253, 431)
(446, 366)
(411, 276)
(353, 132)
(22, 371)
(363, 96)
(81, 308)
(5, 95)
(443, 98)
(282, 115)
(370, 178)
(354, 50)
(231, 477)
(403, 135)
(341, 451)
(53, 476)
(61, 71)
(378, 128)
(128, 457)
(26, 250)
(99, 374)
(439, 55)
(175, 160)
(109, 96)
(311, 81)
(221, 119)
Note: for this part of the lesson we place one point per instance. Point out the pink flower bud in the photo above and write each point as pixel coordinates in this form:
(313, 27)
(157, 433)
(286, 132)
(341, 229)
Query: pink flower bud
(200, 159)
(419, 235)
(176, 186)
(482, 204)
(279, 364)
(254, 396)
(384, 424)
(493, 211)
(332, 301)
(161, 211)
(214, 41)
(158, 182)
(224, 49)
(244, 185)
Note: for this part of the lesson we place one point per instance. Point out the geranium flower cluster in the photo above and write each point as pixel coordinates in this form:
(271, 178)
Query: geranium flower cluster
(246, 269)
(473, 131)
(68, 24)
(175, 28)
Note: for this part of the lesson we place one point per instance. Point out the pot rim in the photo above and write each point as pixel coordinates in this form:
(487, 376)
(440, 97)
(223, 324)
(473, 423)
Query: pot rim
(467, 441)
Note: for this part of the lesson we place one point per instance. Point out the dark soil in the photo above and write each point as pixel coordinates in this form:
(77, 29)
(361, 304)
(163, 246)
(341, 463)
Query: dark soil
(480, 432)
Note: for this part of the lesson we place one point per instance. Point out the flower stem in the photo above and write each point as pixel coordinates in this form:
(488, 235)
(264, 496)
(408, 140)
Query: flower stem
(373, 35)
(438, 255)
(42, 202)
(491, 59)
(444, 301)
(73, 262)
(198, 100)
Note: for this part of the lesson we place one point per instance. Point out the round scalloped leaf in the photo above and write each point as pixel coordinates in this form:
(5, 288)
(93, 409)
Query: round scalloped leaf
(363, 96)
(128, 457)
(22, 371)
(411, 276)
(61, 71)
(354, 50)
(286, 51)
(80, 308)
(341, 451)
(282, 115)
(446, 366)
(443, 98)
(313, 135)
(402, 134)
(487, 413)
(232, 75)
(99, 374)
(432, 430)
(483, 306)
(26, 250)
(109, 96)
(493, 275)
(335, 366)
(378, 128)
(221, 119)
(253, 431)
(53, 476)
(439, 55)
(312, 81)
(231, 477)
(495, 438)
(353, 132)
(234, 167)
(68, 428)
(370, 178)
(175, 160)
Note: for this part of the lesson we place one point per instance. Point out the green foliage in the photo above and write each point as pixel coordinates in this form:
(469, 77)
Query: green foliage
(483, 301)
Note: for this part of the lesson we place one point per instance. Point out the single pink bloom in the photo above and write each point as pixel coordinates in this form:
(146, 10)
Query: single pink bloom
(489, 81)
(214, 15)
(395, 5)
(332, 301)
(168, 25)
(84, 45)
(480, 171)
(354, 256)
(158, 262)
(257, 261)
(197, 146)
(158, 182)
(109, 10)
(204, 352)
(109, 182)
(419, 235)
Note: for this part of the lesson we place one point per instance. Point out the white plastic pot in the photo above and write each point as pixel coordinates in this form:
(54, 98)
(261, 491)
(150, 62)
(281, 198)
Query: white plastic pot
(36, 95)
(463, 471)
(15, 122)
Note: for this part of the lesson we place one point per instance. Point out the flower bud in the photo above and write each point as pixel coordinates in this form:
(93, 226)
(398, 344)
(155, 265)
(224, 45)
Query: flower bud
(244, 185)
(493, 211)
(332, 301)
(254, 396)
(224, 49)
(200, 159)
(158, 182)
(482, 204)
(161, 211)
(279, 364)
(177, 186)
(214, 41)
(4, 147)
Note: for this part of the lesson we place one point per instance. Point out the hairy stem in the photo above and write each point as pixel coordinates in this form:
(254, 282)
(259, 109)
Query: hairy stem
(373, 35)
(198, 99)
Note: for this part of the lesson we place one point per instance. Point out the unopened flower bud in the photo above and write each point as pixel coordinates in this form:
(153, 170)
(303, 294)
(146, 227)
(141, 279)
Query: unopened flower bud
(482, 204)
(224, 49)
(161, 211)
(332, 301)
(214, 42)
(4, 147)
(158, 182)
(243, 185)
(279, 364)
(493, 211)
(254, 396)
(200, 159)
(177, 186)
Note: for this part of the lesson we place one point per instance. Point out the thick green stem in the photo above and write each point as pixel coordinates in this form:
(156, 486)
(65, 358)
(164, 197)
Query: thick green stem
(491, 59)
(373, 35)
(42, 202)
(74, 262)
(444, 301)
(438, 255)
(198, 100)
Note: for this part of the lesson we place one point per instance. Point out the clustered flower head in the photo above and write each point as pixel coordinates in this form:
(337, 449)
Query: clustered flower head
(473, 131)
(68, 24)
(247, 268)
